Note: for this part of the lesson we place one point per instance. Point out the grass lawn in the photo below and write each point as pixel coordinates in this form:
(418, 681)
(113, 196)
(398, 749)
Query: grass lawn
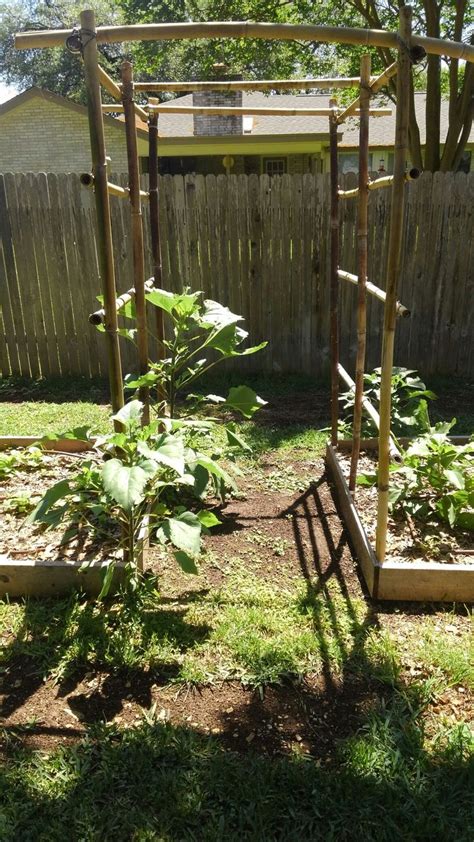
(265, 699)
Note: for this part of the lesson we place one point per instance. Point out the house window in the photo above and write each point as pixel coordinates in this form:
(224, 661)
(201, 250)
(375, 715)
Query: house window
(275, 166)
(349, 162)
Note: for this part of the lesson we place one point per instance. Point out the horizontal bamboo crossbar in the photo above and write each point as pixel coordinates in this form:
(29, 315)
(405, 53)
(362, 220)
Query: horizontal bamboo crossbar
(87, 180)
(371, 411)
(246, 29)
(379, 183)
(374, 290)
(98, 318)
(113, 89)
(250, 85)
(376, 85)
(167, 108)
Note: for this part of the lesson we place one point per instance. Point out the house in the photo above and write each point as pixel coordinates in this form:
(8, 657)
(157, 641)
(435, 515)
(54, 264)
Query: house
(43, 132)
(274, 144)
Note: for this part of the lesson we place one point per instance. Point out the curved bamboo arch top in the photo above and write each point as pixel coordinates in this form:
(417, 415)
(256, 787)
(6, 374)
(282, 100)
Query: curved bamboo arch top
(247, 29)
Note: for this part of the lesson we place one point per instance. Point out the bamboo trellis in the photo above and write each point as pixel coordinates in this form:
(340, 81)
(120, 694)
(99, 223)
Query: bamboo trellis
(410, 48)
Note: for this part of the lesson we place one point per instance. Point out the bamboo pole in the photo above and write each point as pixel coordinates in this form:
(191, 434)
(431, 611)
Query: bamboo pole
(138, 252)
(104, 227)
(113, 89)
(393, 271)
(246, 29)
(98, 317)
(334, 280)
(380, 183)
(249, 85)
(362, 251)
(370, 410)
(87, 180)
(375, 86)
(375, 291)
(155, 228)
(228, 111)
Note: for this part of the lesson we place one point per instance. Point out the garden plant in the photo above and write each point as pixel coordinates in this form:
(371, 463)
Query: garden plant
(149, 478)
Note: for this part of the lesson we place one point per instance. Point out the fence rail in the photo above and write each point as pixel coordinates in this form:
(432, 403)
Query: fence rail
(259, 245)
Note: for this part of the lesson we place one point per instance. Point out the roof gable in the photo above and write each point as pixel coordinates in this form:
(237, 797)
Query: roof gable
(57, 100)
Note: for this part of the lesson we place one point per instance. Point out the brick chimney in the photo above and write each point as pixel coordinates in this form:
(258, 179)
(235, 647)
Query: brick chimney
(218, 125)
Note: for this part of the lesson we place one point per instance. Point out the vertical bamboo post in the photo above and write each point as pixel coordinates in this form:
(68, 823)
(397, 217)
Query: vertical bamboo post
(104, 227)
(153, 191)
(137, 231)
(154, 217)
(362, 235)
(334, 280)
(393, 270)
(155, 231)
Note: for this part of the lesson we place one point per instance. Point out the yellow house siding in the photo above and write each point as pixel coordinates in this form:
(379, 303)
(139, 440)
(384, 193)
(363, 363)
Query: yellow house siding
(43, 136)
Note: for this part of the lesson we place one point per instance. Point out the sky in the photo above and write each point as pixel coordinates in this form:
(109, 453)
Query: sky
(6, 92)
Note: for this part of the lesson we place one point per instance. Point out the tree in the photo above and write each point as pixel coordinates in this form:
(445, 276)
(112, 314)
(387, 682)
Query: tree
(442, 19)
(56, 70)
(436, 18)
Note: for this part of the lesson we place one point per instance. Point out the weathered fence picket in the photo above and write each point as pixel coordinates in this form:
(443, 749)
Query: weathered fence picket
(257, 244)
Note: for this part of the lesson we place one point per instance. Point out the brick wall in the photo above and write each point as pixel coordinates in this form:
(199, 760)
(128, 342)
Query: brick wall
(217, 125)
(43, 136)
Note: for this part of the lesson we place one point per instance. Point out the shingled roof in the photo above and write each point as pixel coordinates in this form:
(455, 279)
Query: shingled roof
(382, 129)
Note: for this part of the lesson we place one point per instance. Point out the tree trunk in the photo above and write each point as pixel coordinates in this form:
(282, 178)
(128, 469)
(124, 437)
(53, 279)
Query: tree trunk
(433, 90)
(455, 144)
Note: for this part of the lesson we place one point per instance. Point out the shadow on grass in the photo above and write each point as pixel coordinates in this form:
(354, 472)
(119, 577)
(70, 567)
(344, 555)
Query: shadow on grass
(54, 390)
(65, 639)
(161, 782)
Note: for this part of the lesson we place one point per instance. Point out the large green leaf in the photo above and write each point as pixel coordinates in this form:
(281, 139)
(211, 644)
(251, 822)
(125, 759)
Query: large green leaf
(234, 440)
(225, 340)
(125, 483)
(214, 314)
(208, 519)
(130, 414)
(186, 562)
(56, 492)
(184, 532)
(455, 478)
(163, 299)
(134, 381)
(244, 400)
(214, 468)
(168, 450)
(182, 305)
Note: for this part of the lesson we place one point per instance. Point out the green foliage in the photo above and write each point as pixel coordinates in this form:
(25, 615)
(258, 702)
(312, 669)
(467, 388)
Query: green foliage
(203, 334)
(435, 479)
(12, 460)
(55, 69)
(409, 413)
(136, 487)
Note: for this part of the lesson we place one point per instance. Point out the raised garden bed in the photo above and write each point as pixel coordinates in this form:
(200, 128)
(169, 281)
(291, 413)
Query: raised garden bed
(415, 579)
(41, 566)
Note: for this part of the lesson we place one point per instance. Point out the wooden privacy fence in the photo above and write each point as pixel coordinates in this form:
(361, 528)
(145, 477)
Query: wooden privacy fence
(259, 245)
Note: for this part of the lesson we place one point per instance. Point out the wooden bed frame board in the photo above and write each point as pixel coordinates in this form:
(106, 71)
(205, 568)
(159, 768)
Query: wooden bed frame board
(393, 580)
(59, 445)
(56, 577)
